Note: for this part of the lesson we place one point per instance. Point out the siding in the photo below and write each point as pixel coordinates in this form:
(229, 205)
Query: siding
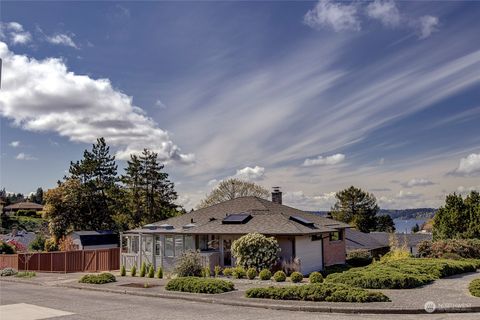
(310, 254)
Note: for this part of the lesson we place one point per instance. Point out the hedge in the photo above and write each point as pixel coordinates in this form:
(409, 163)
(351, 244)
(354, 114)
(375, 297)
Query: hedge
(98, 278)
(199, 285)
(452, 248)
(402, 274)
(317, 292)
(474, 287)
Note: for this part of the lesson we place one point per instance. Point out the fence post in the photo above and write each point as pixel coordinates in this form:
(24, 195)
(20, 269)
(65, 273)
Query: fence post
(83, 260)
(65, 266)
(51, 261)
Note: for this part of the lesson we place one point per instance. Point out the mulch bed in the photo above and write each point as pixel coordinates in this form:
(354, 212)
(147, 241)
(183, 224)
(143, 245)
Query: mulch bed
(139, 285)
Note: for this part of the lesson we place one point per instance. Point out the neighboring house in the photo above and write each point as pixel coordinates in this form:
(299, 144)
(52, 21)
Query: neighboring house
(315, 241)
(28, 206)
(21, 237)
(410, 240)
(356, 240)
(87, 240)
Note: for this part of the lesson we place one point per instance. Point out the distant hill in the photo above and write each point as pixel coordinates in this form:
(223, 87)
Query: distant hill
(399, 213)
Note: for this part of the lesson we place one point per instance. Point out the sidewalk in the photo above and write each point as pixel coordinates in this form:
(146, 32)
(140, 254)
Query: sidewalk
(448, 295)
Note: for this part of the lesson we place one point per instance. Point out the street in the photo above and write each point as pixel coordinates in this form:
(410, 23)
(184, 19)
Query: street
(99, 305)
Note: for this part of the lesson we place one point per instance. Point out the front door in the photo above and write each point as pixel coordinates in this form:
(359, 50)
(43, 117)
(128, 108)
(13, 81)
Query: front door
(227, 251)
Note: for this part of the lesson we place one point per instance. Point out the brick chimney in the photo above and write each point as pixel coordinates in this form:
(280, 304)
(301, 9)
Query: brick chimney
(277, 195)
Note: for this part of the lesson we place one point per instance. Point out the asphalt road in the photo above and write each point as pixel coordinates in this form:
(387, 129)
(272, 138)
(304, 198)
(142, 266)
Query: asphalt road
(99, 305)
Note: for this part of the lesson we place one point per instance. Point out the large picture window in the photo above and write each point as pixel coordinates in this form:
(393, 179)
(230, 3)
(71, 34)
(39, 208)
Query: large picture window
(209, 242)
(178, 245)
(189, 242)
(169, 246)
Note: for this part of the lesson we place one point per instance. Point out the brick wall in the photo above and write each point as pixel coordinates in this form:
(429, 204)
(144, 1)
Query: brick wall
(335, 252)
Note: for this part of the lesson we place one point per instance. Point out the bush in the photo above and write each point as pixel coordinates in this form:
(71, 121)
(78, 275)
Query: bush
(279, 276)
(239, 273)
(464, 248)
(26, 213)
(98, 278)
(265, 274)
(8, 272)
(296, 277)
(217, 271)
(206, 272)
(359, 258)
(50, 245)
(199, 285)
(151, 272)
(335, 269)
(254, 250)
(123, 272)
(133, 271)
(5, 248)
(189, 264)
(251, 273)
(402, 274)
(315, 277)
(474, 287)
(317, 292)
(38, 244)
(143, 269)
(227, 272)
(26, 274)
(159, 273)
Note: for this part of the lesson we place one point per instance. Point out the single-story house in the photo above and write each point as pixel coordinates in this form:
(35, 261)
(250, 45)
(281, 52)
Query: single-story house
(28, 206)
(312, 240)
(356, 240)
(88, 240)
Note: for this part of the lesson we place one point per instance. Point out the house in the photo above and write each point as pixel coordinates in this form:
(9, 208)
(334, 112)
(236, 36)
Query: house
(314, 240)
(21, 239)
(27, 206)
(356, 240)
(88, 240)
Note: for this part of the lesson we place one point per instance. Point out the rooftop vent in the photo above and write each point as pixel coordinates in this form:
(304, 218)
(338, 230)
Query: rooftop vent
(166, 226)
(303, 221)
(237, 218)
(188, 226)
(150, 226)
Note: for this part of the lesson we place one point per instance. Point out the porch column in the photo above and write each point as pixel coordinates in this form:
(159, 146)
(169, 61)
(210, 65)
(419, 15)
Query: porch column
(121, 249)
(140, 250)
(220, 243)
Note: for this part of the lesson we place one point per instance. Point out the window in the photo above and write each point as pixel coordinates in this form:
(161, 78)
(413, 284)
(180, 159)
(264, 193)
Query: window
(209, 242)
(189, 242)
(178, 245)
(147, 243)
(158, 245)
(168, 246)
(316, 237)
(336, 236)
(134, 244)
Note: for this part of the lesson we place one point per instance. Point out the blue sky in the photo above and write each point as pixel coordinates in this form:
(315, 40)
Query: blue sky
(310, 96)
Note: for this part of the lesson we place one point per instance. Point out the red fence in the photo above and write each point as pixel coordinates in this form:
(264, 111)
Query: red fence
(64, 261)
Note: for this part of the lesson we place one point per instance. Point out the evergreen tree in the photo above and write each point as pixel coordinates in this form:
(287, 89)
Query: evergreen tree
(385, 224)
(39, 196)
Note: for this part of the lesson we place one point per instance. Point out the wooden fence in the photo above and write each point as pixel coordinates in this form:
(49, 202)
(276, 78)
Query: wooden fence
(64, 261)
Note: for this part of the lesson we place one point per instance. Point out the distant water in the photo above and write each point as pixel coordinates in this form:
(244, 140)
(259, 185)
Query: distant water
(406, 225)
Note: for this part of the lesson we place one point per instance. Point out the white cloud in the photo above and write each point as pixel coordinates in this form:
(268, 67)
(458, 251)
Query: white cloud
(426, 26)
(24, 156)
(469, 166)
(62, 39)
(14, 144)
(321, 161)
(465, 190)
(298, 199)
(408, 195)
(417, 183)
(385, 11)
(160, 104)
(16, 33)
(250, 174)
(339, 17)
(54, 99)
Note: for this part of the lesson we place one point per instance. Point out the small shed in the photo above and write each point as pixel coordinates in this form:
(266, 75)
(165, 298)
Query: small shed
(104, 239)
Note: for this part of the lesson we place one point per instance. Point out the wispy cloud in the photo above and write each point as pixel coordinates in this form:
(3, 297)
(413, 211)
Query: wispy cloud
(469, 166)
(385, 11)
(14, 144)
(322, 161)
(62, 39)
(427, 25)
(338, 16)
(417, 182)
(14, 32)
(24, 156)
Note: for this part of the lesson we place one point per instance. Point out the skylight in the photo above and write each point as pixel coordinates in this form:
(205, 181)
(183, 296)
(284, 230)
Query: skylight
(303, 221)
(237, 218)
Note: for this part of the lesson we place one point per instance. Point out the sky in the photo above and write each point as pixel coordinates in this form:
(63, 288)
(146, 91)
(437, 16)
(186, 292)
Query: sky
(311, 96)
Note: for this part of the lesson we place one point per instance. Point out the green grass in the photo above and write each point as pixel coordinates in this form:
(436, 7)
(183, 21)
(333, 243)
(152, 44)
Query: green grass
(474, 287)
(101, 278)
(25, 274)
(199, 285)
(402, 274)
(317, 292)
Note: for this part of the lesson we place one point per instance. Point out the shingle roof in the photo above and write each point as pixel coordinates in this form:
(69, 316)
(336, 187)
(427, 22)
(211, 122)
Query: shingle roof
(360, 240)
(267, 218)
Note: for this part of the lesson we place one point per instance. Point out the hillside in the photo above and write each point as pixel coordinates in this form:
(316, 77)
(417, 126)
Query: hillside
(399, 213)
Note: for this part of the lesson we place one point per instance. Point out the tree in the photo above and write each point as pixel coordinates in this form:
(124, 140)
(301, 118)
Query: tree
(39, 196)
(459, 218)
(357, 207)
(415, 228)
(233, 188)
(385, 224)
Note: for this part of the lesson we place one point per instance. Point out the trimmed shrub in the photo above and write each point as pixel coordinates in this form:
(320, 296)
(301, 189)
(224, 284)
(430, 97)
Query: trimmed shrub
(227, 272)
(317, 292)
(465, 248)
(5, 248)
(101, 278)
(359, 258)
(189, 264)
(315, 277)
(402, 274)
(133, 271)
(279, 276)
(26, 274)
(159, 273)
(254, 250)
(123, 272)
(251, 273)
(206, 272)
(217, 271)
(7, 272)
(265, 274)
(335, 269)
(239, 273)
(143, 269)
(199, 285)
(296, 277)
(151, 272)
(38, 244)
(474, 287)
